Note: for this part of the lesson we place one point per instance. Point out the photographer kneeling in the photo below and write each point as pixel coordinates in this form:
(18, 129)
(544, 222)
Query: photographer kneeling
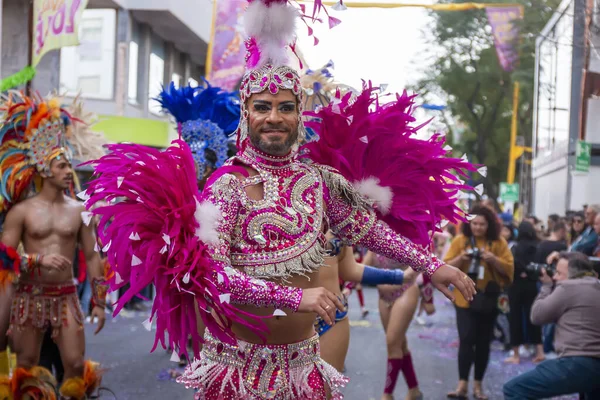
(574, 305)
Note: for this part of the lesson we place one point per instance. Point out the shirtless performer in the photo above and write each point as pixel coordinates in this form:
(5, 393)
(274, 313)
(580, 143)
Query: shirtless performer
(50, 225)
(273, 213)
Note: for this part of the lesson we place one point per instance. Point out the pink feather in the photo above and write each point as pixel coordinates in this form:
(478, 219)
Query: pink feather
(364, 139)
(252, 54)
(149, 204)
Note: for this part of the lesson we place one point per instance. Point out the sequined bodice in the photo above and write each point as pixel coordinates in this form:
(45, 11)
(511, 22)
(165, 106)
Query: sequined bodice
(281, 234)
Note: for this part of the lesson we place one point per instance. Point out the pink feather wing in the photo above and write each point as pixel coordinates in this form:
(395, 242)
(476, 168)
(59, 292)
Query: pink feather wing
(364, 139)
(153, 195)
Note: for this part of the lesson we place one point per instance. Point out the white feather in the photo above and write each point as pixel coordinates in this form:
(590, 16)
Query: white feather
(479, 189)
(381, 195)
(276, 23)
(208, 216)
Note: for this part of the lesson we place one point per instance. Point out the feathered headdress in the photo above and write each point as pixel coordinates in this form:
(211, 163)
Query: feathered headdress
(271, 27)
(87, 144)
(206, 116)
(34, 132)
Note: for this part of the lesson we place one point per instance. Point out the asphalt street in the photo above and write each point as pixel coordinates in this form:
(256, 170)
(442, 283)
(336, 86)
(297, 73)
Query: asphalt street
(123, 348)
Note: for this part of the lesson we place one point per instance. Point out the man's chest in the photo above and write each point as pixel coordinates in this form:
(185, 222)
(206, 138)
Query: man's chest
(42, 222)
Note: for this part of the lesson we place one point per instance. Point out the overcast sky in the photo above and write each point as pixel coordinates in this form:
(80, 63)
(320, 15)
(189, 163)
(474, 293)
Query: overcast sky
(371, 43)
(383, 45)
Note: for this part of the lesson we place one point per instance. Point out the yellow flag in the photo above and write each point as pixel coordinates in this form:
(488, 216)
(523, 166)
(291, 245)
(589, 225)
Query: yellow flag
(55, 25)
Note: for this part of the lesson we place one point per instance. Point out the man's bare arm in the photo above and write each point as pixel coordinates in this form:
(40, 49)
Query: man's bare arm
(95, 270)
(13, 226)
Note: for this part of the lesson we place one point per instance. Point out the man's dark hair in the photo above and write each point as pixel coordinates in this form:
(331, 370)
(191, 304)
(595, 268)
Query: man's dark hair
(579, 263)
(554, 218)
(493, 231)
(527, 232)
(559, 226)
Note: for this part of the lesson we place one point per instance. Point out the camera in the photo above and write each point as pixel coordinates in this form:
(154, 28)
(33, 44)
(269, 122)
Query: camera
(534, 270)
(475, 255)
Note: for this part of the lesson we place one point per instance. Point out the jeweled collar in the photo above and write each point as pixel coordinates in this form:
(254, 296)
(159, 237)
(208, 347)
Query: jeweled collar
(266, 161)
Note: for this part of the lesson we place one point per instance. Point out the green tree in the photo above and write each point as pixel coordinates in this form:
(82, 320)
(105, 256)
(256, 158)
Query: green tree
(466, 71)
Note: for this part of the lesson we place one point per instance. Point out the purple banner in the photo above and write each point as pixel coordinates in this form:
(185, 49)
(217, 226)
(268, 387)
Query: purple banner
(505, 34)
(227, 45)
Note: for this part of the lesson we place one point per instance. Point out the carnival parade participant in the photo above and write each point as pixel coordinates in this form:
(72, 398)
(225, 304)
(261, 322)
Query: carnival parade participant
(397, 306)
(341, 265)
(34, 151)
(259, 225)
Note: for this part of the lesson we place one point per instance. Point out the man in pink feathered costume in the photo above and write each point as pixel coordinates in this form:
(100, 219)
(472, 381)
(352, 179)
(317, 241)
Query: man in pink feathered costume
(246, 254)
(276, 211)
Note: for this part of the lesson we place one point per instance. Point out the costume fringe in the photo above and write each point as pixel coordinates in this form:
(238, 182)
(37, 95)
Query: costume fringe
(36, 383)
(80, 388)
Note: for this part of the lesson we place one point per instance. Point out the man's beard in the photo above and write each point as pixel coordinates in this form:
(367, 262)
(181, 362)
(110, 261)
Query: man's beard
(275, 149)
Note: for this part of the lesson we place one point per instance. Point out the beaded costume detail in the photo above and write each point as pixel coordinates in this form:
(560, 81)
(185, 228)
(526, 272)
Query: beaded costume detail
(253, 371)
(280, 235)
(283, 234)
(44, 306)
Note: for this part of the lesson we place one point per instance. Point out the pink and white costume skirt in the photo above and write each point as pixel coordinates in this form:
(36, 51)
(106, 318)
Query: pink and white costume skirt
(253, 371)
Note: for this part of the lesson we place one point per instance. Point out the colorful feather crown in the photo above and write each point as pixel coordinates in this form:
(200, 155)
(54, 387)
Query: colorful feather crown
(34, 132)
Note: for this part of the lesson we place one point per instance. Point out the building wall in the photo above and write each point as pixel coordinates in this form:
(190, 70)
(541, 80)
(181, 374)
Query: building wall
(549, 198)
(101, 68)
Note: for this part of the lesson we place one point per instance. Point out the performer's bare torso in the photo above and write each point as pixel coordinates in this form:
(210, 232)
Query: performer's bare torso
(51, 228)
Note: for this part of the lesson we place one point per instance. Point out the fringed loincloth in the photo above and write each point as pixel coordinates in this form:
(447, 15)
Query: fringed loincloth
(44, 306)
(252, 371)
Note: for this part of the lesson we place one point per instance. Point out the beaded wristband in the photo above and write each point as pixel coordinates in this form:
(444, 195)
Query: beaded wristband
(99, 290)
(29, 262)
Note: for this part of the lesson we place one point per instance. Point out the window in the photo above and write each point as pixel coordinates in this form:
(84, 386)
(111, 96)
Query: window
(89, 68)
(132, 90)
(553, 91)
(156, 80)
(89, 84)
(176, 79)
(90, 39)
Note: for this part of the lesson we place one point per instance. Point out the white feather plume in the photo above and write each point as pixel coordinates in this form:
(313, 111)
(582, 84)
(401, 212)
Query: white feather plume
(381, 195)
(273, 28)
(275, 23)
(208, 216)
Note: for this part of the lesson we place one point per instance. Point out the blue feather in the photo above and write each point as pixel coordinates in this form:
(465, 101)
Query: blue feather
(207, 114)
(202, 102)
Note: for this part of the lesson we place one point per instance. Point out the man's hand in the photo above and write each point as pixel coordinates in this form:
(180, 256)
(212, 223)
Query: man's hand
(447, 275)
(544, 278)
(410, 276)
(553, 257)
(55, 261)
(98, 315)
(320, 301)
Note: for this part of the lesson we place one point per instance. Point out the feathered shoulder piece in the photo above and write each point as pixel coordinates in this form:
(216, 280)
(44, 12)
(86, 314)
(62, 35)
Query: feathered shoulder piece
(411, 183)
(157, 235)
(87, 144)
(206, 116)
